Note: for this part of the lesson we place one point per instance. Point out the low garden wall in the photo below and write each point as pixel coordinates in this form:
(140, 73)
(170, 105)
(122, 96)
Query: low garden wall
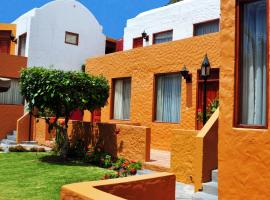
(129, 141)
(157, 186)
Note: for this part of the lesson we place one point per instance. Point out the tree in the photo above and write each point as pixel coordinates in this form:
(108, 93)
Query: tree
(55, 94)
(173, 1)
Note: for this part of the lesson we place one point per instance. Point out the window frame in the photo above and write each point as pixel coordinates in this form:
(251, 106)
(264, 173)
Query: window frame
(133, 42)
(74, 34)
(205, 22)
(24, 35)
(14, 104)
(154, 103)
(113, 95)
(155, 34)
(238, 63)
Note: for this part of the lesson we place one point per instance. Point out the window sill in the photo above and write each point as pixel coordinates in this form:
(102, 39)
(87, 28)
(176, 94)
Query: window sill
(159, 122)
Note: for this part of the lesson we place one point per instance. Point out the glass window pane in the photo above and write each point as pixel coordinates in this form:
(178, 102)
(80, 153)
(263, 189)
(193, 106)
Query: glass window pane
(207, 27)
(13, 95)
(252, 70)
(72, 38)
(122, 94)
(168, 98)
(163, 37)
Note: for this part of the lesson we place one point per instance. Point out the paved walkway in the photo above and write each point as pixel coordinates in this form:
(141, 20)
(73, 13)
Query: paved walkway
(160, 158)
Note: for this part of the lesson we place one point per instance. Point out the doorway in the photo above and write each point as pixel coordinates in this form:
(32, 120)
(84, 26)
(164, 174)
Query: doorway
(212, 93)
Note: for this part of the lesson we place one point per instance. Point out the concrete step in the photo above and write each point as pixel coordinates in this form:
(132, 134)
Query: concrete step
(210, 188)
(204, 196)
(144, 172)
(29, 142)
(215, 175)
(8, 142)
(11, 137)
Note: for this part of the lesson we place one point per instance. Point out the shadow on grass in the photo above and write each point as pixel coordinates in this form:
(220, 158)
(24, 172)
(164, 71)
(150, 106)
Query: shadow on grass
(57, 160)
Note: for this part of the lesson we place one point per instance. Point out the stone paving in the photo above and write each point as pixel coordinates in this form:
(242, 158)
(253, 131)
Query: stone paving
(160, 158)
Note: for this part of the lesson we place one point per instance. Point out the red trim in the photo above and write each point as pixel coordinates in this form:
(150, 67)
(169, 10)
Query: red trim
(137, 42)
(74, 34)
(238, 52)
(154, 34)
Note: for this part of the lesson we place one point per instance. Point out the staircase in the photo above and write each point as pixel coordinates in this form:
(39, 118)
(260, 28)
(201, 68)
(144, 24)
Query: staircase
(10, 140)
(210, 189)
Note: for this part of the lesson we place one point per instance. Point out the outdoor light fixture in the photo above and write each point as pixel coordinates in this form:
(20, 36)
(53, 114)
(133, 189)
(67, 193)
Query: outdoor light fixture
(4, 84)
(185, 73)
(205, 73)
(13, 38)
(205, 68)
(145, 36)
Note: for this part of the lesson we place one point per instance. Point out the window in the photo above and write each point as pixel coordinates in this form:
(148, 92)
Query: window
(251, 73)
(72, 38)
(22, 44)
(168, 97)
(13, 95)
(206, 27)
(137, 42)
(162, 37)
(121, 102)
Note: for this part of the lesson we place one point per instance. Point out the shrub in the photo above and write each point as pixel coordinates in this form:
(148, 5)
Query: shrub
(17, 148)
(37, 149)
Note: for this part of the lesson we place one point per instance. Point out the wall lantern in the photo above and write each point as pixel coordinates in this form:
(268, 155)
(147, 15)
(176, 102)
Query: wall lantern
(145, 36)
(4, 84)
(206, 67)
(205, 73)
(186, 75)
(13, 38)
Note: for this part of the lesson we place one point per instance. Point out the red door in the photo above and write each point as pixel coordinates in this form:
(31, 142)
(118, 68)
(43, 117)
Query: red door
(137, 42)
(211, 93)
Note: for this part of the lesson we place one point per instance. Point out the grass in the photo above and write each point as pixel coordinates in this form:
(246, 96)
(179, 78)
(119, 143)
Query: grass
(30, 176)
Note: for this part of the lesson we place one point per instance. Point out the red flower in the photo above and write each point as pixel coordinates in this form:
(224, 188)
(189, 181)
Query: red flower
(117, 131)
(199, 110)
(132, 161)
(62, 122)
(52, 120)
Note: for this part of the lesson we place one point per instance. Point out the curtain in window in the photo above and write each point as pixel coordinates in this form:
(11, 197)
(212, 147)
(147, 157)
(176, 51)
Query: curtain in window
(168, 98)
(122, 93)
(12, 96)
(163, 37)
(22, 45)
(253, 77)
(205, 28)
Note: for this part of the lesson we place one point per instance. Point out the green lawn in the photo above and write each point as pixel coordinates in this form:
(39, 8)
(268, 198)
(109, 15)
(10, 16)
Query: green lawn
(24, 176)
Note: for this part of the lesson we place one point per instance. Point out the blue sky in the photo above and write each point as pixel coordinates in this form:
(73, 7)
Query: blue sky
(111, 14)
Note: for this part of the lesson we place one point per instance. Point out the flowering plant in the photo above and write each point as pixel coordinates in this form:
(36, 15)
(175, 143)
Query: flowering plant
(211, 108)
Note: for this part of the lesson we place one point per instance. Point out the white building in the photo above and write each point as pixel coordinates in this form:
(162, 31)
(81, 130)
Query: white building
(173, 22)
(61, 34)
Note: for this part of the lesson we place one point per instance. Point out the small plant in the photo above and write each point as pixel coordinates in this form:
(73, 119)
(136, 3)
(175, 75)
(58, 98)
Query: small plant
(18, 148)
(211, 108)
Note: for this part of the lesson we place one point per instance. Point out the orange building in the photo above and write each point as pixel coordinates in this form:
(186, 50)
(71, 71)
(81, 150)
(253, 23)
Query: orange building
(11, 102)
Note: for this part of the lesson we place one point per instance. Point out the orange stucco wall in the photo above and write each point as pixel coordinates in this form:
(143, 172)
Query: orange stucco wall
(10, 66)
(9, 115)
(142, 64)
(12, 28)
(244, 154)
(158, 186)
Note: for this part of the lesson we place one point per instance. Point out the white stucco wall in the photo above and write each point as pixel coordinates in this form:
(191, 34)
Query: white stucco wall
(46, 27)
(179, 16)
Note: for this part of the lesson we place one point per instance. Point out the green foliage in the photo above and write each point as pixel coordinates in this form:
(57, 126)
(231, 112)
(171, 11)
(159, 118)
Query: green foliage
(17, 148)
(37, 149)
(122, 167)
(173, 1)
(211, 108)
(57, 93)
